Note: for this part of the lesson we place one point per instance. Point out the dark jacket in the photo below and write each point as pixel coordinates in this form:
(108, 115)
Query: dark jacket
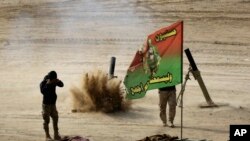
(170, 88)
(49, 91)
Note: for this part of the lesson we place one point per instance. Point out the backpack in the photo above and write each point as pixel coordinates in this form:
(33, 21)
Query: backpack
(42, 85)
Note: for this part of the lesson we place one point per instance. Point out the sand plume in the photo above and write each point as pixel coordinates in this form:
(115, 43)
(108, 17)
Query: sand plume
(99, 93)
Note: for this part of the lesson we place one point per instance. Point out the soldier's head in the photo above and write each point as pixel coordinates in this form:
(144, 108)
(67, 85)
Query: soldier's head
(52, 75)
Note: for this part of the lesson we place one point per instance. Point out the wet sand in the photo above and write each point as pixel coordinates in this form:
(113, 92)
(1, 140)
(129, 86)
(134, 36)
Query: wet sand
(74, 37)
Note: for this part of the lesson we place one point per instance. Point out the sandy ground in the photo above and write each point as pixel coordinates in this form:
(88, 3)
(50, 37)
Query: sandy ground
(73, 37)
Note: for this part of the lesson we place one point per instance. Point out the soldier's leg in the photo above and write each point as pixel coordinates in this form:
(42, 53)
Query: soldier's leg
(172, 107)
(46, 119)
(54, 115)
(163, 106)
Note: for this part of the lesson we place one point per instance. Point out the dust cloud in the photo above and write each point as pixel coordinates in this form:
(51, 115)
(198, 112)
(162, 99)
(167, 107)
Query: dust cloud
(99, 93)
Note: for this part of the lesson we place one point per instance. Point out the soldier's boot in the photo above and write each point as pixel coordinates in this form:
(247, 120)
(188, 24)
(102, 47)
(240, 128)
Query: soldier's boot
(171, 124)
(55, 126)
(47, 135)
(163, 117)
(57, 136)
(165, 124)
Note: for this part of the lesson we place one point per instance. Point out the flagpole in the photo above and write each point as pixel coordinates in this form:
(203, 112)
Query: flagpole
(181, 96)
(181, 116)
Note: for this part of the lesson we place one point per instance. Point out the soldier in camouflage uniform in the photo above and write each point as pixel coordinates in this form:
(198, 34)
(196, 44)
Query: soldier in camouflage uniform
(48, 88)
(150, 58)
(167, 95)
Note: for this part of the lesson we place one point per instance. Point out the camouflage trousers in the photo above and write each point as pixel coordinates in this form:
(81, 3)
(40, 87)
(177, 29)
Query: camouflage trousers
(170, 98)
(47, 112)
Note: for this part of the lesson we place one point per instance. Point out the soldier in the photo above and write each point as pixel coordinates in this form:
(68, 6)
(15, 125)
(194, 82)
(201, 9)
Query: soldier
(150, 57)
(167, 95)
(48, 89)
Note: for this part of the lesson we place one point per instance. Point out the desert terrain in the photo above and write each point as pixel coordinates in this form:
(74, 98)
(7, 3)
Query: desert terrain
(77, 36)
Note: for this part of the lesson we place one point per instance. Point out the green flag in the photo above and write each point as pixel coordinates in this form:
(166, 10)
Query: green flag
(158, 64)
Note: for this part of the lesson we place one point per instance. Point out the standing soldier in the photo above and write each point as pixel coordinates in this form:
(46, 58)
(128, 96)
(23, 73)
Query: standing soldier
(167, 95)
(150, 57)
(48, 89)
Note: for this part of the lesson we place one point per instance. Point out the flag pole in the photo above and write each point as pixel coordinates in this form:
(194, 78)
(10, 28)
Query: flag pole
(181, 98)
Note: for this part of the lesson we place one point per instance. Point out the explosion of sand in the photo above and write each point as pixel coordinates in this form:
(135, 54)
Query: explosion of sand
(99, 93)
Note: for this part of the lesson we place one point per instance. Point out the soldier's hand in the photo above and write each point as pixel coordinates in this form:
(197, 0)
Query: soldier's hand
(53, 81)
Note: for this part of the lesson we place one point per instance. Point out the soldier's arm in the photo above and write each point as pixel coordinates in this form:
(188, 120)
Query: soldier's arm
(59, 83)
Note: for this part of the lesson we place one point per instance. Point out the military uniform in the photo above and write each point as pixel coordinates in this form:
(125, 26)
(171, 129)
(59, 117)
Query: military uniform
(48, 88)
(167, 95)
